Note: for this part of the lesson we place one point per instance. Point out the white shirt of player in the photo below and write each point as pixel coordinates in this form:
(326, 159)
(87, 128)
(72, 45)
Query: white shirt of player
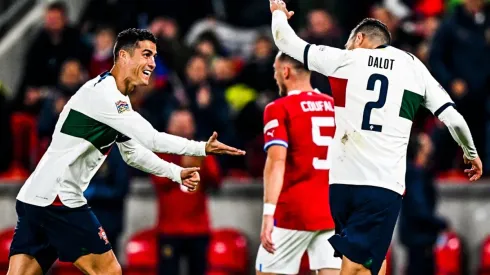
(95, 118)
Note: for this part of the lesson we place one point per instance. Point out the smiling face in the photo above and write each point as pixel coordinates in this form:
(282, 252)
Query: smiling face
(141, 62)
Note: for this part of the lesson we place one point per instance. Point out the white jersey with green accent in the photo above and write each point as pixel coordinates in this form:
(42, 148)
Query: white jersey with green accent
(93, 120)
(377, 93)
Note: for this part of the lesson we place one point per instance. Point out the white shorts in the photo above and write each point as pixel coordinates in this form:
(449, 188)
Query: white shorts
(291, 245)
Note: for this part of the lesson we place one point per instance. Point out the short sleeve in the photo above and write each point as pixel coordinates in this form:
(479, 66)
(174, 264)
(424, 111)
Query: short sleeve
(436, 98)
(275, 132)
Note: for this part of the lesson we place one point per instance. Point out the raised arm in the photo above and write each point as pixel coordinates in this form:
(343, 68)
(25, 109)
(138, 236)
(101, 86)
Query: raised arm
(322, 59)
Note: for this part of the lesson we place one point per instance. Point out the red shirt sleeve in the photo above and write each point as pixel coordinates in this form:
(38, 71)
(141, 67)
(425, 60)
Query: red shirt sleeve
(275, 132)
(211, 172)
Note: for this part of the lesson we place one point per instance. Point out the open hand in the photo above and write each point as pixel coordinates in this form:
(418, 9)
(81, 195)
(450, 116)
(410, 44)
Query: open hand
(476, 168)
(213, 146)
(190, 178)
(280, 5)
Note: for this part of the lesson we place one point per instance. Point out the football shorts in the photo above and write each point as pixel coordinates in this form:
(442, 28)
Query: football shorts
(291, 245)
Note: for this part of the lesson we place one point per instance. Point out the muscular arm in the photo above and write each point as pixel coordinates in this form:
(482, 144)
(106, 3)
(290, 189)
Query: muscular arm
(459, 131)
(274, 173)
(145, 160)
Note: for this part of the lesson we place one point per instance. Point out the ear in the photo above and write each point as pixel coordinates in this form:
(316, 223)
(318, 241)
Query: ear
(359, 38)
(286, 72)
(123, 55)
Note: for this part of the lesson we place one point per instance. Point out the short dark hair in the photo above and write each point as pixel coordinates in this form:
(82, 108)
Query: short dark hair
(128, 40)
(281, 56)
(374, 28)
(58, 6)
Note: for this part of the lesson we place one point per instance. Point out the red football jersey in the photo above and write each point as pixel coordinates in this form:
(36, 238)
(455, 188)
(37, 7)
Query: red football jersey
(303, 122)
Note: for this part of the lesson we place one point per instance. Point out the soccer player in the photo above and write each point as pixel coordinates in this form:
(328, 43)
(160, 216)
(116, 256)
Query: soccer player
(54, 220)
(377, 90)
(299, 128)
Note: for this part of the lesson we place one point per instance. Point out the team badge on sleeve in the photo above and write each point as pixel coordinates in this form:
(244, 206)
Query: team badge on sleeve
(122, 106)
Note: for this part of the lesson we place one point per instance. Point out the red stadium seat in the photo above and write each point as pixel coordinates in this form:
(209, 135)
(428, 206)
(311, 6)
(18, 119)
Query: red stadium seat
(228, 252)
(141, 253)
(448, 254)
(484, 268)
(25, 146)
(5, 241)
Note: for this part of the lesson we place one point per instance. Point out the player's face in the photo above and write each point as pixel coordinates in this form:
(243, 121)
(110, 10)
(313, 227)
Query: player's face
(142, 62)
(279, 77)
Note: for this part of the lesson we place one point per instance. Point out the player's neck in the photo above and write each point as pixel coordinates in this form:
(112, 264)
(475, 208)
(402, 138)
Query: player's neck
(301, 86)
(122, 81)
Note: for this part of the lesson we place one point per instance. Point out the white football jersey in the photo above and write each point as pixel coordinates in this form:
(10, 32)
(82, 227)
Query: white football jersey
(94, 119)
(377, 93)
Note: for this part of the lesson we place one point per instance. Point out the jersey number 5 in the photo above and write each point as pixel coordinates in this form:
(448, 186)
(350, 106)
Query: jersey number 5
(319, 140)
(383, 91)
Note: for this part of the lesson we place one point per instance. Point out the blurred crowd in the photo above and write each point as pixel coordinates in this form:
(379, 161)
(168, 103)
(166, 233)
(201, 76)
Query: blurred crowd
(216, 62)
(214, 73)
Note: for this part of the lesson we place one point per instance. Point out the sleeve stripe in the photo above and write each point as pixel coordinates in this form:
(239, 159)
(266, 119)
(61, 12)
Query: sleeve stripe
(275, 142)
(305, 56)
(271, 124)
(444, 107)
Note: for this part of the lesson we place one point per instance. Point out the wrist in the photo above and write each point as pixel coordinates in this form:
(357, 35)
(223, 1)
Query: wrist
(269, 209)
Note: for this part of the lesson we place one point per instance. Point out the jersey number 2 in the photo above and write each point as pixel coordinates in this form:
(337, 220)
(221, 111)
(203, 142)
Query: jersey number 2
(319, 140)
(383, 91)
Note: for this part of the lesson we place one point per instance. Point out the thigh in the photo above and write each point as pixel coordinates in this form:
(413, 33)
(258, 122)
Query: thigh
(290, 246)
(30, 239)
(105, 263)
(321, 252)
(197, 254)
(367, 234)
(22, 264)
(169, 255)
(76, 232)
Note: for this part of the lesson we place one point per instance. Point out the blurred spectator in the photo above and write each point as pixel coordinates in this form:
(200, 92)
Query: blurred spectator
(460, 61)
(171, 52)
(258, 73)
(419, 226)
(235, 41)
(70, 80)
(184, 230)
(102, 57)
(208, 45)
(106, 195)
(322, 30)
(56, 42)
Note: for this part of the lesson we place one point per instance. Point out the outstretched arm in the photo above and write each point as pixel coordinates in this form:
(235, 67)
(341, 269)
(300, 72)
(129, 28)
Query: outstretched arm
(145, 160)
(114, 110)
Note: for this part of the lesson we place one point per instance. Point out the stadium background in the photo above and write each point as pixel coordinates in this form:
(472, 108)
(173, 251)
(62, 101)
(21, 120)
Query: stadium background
(226, 87)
